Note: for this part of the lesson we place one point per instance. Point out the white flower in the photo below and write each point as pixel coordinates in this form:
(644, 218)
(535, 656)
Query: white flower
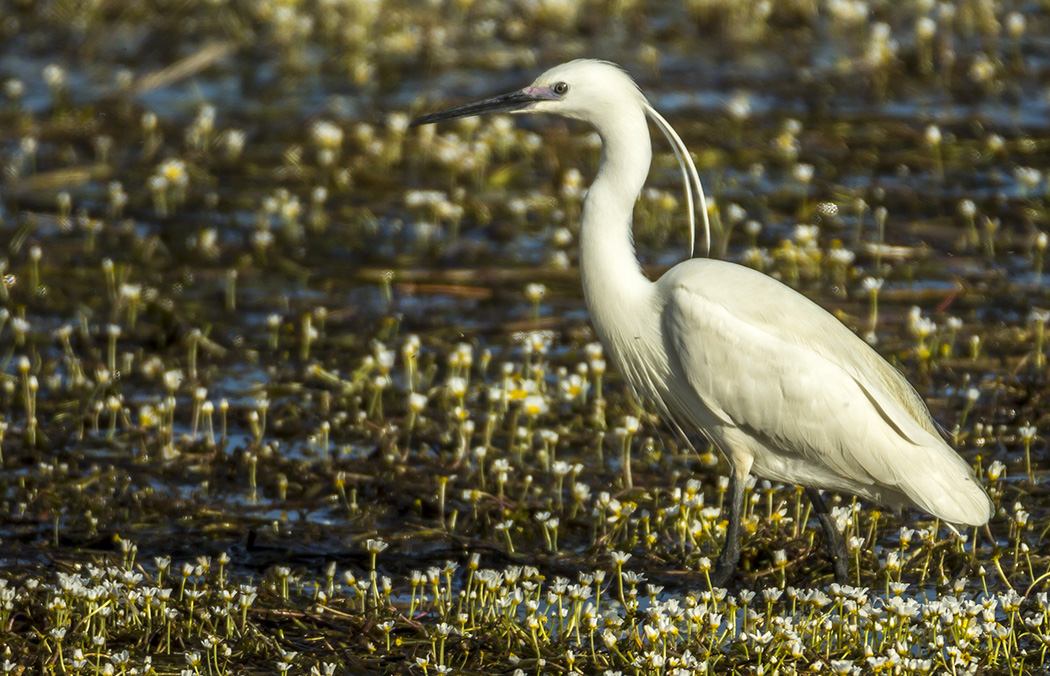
(535, 292)
(54, 75)
(631, 424)
(327, 135)
(457, 386)
(925, 27)
(417, 402)
(535, 405)
(375, 546)
(172, 379)
(803, 173)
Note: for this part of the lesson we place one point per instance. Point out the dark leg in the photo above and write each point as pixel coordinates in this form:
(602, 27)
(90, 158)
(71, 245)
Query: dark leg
(730, 556)
(836, 544)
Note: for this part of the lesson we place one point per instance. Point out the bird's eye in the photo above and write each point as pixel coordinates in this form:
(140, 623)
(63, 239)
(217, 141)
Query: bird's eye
(560, 88)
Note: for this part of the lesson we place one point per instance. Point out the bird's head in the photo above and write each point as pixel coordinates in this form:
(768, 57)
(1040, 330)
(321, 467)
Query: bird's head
(602, 94)
(584, 89)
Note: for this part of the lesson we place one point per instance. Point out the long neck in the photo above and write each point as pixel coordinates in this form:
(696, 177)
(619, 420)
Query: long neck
(612, 275)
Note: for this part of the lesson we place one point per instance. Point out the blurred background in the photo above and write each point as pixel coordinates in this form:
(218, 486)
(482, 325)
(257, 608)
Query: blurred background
(253, 324)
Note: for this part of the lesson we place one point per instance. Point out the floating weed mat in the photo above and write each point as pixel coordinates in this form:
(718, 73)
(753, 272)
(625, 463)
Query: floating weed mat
(392, 533)
(197, 617)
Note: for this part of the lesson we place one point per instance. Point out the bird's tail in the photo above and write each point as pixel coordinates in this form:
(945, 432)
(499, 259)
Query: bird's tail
(941, 483)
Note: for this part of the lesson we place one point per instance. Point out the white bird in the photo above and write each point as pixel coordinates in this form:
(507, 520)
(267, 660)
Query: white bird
(783, 389)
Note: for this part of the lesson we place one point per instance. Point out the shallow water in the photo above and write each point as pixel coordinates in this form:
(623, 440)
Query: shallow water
(323, 287)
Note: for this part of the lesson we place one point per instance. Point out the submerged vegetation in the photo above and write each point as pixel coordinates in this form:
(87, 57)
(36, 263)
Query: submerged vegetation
(285, 384)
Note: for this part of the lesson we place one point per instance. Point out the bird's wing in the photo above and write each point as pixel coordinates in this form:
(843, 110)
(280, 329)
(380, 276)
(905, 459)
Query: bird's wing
(768, 361)
(718, 306)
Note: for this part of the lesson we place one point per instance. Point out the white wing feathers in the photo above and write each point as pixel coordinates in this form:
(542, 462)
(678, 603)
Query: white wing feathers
(811, 402)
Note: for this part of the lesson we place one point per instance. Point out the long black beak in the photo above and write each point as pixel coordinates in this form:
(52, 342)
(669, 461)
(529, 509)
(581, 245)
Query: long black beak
(504, 103)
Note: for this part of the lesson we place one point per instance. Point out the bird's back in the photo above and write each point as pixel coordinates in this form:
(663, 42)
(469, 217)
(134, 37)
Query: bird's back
(814, 404)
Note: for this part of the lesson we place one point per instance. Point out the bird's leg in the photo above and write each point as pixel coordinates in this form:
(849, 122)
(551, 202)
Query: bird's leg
(730, 556)
(836, 543)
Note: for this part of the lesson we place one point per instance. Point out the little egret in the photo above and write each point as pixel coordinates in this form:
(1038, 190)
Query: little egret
(775, 382)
